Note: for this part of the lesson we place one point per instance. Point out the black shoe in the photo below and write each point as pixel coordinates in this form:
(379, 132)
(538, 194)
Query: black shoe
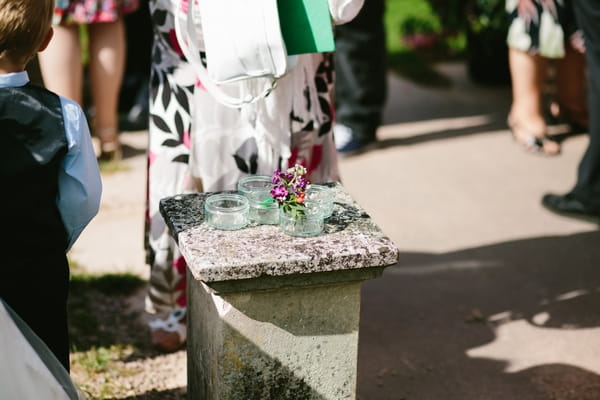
(569, 206)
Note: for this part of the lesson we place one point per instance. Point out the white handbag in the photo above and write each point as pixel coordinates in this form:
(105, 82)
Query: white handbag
(343, 11)
(242, 41)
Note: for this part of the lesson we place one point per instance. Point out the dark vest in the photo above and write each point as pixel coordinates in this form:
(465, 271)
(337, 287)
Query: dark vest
(32, 146)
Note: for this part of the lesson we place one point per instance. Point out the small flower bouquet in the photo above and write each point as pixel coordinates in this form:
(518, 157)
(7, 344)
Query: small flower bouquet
(297, 217)
(290, 188)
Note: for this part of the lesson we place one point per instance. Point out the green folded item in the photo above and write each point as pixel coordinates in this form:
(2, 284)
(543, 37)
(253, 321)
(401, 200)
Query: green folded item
(306, 26)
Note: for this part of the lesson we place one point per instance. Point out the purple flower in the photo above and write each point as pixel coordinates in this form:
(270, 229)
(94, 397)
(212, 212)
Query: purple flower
(300, 185)
(290, 186)
(279, 193)
(276, 179)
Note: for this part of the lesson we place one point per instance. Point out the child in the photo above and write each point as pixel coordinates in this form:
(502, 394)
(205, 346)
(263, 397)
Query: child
(49, 177)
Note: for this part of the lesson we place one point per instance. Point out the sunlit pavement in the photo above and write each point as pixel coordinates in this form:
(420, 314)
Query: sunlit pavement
(493, 297)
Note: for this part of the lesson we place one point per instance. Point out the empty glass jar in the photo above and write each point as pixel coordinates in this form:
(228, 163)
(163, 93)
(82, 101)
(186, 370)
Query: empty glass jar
(323, 196)
(257, 189)
(226, 211)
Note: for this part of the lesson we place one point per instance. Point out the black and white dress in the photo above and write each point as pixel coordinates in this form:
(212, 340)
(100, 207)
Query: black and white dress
(197, 144)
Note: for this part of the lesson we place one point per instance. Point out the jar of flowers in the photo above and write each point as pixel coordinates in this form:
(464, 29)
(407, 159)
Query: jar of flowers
(298, 216)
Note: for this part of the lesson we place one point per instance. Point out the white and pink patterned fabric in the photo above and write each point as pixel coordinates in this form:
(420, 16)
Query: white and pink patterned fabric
(197, 144)
(91, 11)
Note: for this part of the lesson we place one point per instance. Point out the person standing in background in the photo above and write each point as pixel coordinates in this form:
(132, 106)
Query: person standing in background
(361, 79)
(583, 201)
(61, 64)
(134, 94)
(541, 31)
(197, 144)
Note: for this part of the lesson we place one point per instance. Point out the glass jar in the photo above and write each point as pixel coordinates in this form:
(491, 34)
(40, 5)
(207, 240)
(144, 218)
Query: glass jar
(305, 225)
(323, 196)
(257, 189)
(226, 211)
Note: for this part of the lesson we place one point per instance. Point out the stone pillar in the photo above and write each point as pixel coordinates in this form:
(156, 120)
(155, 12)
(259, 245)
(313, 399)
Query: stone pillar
(272, 316)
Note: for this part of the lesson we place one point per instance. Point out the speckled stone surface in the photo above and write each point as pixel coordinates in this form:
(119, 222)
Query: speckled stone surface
(350, 240)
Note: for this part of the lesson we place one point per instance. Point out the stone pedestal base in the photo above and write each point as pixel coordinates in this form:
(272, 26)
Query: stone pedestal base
(270, 316)
(285, 343)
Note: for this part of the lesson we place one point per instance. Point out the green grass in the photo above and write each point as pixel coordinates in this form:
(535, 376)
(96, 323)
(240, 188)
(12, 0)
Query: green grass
(95, 371)
(99, 324)
(111, 167)
(109, 284)
(86, 294)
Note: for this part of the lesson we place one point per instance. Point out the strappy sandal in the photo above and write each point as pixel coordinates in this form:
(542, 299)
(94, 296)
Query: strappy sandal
(110, 145)
(531, 142)
(170, 334)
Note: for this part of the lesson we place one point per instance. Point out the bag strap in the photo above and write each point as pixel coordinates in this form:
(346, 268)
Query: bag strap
(192, 54)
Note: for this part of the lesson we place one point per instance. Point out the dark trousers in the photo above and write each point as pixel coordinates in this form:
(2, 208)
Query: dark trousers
(38, 294)
(587, 188)
(361, 85)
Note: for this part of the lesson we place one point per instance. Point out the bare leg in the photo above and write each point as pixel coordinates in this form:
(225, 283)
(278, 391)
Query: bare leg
(107, 64)
(60, 63)
(526, 117)
(571, 88)
(527, 75)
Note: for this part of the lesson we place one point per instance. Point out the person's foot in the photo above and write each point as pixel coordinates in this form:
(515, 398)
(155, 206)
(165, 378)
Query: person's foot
(532, 140)
(568, 205)
(170, 334)
(110, 144)
(347, 144)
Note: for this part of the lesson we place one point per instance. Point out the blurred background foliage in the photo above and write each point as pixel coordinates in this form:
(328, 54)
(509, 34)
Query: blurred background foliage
(423, 32)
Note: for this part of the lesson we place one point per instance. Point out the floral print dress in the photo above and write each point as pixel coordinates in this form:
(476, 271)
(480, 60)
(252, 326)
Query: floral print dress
(197, 144)
(91, 11)
(541, 26)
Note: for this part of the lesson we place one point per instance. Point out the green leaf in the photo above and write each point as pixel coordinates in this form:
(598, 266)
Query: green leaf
(267, 202)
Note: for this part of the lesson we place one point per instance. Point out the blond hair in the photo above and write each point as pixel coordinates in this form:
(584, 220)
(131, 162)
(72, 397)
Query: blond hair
(23, 26)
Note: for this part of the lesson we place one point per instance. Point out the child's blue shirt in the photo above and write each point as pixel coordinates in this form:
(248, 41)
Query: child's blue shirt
(79, 181)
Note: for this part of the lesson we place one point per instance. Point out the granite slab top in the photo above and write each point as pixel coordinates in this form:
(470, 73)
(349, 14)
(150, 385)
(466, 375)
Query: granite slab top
(350, 240)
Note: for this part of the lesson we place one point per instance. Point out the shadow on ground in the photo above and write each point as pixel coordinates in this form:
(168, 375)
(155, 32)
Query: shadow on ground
(485, 323)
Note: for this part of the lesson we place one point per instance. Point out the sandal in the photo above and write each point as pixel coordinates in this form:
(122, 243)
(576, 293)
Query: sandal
(110, 145)
(531, 142)
(170, 334)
